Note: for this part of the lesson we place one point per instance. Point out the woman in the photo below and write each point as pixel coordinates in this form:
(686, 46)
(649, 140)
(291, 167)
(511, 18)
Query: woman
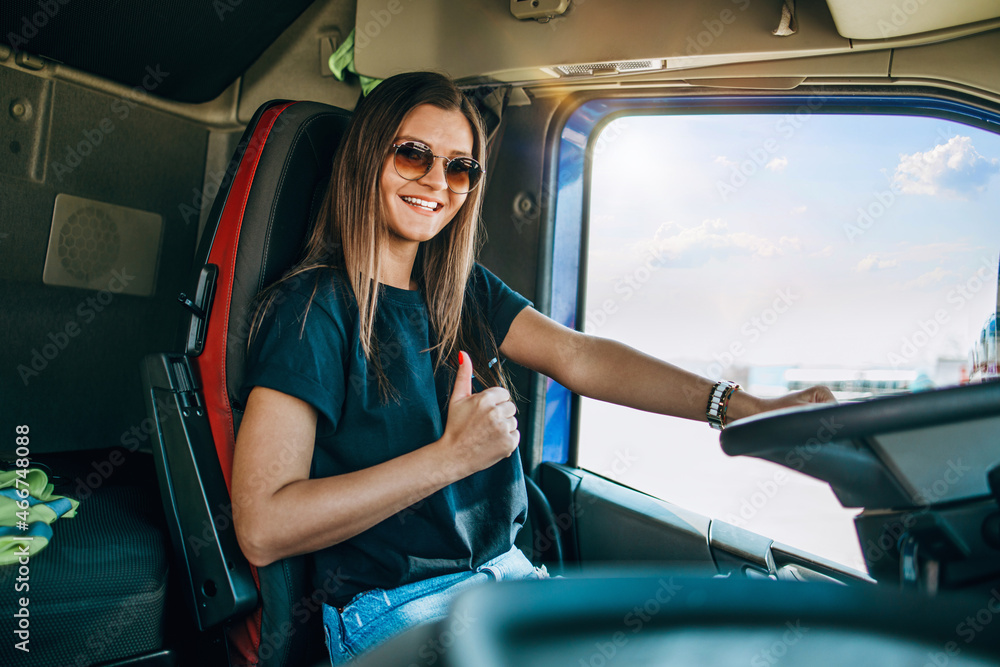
(372, 402)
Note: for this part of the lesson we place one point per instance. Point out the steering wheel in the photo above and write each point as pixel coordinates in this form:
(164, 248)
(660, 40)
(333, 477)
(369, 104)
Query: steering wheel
(831, 442)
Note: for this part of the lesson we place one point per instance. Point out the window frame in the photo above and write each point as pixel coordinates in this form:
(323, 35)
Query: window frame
(572, 143)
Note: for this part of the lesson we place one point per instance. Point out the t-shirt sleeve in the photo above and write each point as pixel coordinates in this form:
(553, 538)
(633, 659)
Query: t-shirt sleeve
(300, 354)
(500, 303)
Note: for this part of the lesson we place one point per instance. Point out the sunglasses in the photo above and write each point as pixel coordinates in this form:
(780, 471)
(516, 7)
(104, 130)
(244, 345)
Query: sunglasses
(413, 160)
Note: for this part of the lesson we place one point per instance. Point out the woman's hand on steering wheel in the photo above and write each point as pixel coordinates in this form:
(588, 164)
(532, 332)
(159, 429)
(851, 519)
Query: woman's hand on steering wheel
(748, 405)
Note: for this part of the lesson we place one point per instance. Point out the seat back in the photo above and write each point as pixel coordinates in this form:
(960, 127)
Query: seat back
(257, 228)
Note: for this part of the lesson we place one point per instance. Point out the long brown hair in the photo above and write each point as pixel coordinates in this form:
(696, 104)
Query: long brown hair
(351, 231)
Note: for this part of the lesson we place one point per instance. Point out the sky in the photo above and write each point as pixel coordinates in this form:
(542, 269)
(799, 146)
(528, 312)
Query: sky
(865, 228)
(722, 243)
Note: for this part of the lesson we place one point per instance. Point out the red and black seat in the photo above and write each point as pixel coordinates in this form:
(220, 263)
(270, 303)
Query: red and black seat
(261, 217)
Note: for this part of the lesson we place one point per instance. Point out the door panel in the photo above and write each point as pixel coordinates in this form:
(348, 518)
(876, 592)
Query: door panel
(611, 522)
(603, 522)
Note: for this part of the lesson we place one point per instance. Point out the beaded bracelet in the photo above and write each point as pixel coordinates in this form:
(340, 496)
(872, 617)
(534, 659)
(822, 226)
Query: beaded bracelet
(718, 403)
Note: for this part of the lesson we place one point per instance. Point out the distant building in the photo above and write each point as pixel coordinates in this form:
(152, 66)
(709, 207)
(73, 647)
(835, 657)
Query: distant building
(849, 384)
(984, 353)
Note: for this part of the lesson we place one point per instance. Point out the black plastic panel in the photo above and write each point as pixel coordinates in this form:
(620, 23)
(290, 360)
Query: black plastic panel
(615, 523)
(199, 512)
(185, 51)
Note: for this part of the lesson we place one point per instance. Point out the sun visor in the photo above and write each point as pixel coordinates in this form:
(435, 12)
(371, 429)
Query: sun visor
(886, 19)
(474, 40)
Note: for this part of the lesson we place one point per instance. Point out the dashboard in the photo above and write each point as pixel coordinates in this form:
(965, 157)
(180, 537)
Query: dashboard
(925, 468)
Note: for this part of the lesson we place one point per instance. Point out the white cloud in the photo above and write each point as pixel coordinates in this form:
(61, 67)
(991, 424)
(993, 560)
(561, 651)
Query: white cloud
(934, 252)
(724, 161)
(825, 252)
(928, 279)
(872, 262)
(798, 210)
(906, 255)
(777, 164)
(954, 169)
(790, 242)
(692, 246)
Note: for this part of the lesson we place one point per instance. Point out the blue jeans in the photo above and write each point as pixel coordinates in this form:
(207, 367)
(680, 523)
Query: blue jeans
(375, 615)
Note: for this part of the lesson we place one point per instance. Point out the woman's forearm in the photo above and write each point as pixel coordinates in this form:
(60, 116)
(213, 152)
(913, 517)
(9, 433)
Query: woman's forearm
(641, 381)
(311, 514)
(614, 372)
(279, 511)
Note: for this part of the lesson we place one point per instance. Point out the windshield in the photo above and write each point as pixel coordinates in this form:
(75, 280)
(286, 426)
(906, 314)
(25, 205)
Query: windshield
(782, 251)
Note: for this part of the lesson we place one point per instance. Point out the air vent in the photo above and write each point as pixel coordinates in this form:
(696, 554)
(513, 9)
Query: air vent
(602, 69)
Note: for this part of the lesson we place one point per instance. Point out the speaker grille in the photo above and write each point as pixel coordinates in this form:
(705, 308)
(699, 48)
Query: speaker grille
(89, 244)
(100, 246)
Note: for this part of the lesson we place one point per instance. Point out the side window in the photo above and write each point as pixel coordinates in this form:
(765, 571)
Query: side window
(782, 250)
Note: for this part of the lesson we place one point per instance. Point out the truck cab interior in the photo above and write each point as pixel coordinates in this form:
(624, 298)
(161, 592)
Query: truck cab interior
(163, 162)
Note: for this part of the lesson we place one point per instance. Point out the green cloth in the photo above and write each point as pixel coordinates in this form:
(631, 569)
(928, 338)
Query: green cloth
(32, 530)
(342, 61)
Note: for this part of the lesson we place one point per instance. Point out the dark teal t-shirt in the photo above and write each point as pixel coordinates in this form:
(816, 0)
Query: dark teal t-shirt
(321, 362)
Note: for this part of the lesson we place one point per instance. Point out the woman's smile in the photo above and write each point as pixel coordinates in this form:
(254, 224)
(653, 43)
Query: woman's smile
(422, 204)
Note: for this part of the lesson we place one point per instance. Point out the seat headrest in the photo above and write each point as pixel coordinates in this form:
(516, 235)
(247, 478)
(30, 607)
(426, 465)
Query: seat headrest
(262, 217)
